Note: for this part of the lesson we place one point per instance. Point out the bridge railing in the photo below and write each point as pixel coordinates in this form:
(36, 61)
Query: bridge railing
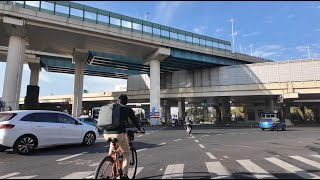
(98, 16)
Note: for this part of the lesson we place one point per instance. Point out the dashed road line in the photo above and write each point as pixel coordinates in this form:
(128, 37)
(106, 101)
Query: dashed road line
(201, 146)
(177, 140)
(196, 140)
(9, 175)
(139, 150)
(69, 157)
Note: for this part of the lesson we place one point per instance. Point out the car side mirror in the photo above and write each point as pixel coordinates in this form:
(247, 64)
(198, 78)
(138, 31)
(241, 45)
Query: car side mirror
(77, 123)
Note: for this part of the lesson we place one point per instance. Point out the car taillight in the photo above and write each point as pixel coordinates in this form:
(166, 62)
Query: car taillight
(6, 126)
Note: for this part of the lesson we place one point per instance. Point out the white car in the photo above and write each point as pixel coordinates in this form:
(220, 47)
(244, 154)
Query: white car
(25, 130)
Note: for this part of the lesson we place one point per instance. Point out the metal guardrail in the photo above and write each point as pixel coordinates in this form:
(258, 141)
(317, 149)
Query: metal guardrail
(89, 14)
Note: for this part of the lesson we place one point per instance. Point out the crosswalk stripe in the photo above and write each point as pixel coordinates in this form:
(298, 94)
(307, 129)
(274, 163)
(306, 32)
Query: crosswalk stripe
(201, 146)
(257, 171)
(177, 140)
(69, 157)
(131, 171)
(94, 164)
(78, 175)
(174, 171)
(307, 161)
(23, 177)
(196, 140)
(139, 150)
(292, 169)
(217, 170)
(9, 175)
(317, 156)
(210, 155)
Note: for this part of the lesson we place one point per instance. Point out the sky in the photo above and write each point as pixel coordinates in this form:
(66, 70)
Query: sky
(277, 30)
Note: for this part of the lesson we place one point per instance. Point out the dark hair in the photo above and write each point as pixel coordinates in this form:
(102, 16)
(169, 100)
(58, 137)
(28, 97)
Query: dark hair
(123, 99)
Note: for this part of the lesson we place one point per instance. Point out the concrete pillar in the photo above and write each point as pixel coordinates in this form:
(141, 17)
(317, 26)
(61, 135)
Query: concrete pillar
(78, 88)
(155, 92)
(270, 104)
(182, 108)
(245, 112)
(225, 109)
(35, 71)
(13, 73)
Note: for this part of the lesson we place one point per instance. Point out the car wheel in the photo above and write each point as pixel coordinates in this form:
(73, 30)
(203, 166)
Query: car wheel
(283, 128)
(25, 144)
(262, 129)
(89, 139)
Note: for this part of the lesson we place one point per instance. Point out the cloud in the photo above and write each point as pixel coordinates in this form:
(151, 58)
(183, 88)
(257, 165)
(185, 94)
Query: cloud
(166, 10)
(44, 77)
(269, 51)
(317, 30)
(219, 30)
(200, 29)
(290, 16)
(250, 34)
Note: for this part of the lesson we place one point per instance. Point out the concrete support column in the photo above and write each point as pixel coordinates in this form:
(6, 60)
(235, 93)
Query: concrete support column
(155, 92)
(245, 112)
(78, 88)
(168, 114)
(13, 73)
(182, 108)
(270, 104)
(226, 109)
(35, 71)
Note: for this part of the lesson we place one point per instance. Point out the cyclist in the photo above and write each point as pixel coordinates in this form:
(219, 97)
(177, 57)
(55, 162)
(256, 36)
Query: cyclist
(120, 133)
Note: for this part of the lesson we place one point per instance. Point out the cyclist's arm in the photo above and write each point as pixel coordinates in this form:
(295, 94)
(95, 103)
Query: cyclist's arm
(132, 116)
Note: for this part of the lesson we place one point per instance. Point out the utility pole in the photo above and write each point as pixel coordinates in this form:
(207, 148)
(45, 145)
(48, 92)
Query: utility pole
(309, 52)
(251, 48)
(240, 48)
(145, 18)
(231, 20)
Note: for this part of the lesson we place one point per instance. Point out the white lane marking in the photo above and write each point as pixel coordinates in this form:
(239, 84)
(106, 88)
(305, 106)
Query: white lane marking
(162, 144)
(218, 134)
(205, 135)
(131, 171)
(9, 175)
(307, 161)
(152, 131)
(210, 155)
(94, 164)
(23, 177)
(75, 155)
(106, 146)
(139, 150)
(243, 133)
(292, 169)
(317, 156)
(174, 171)
(78, 175)
(201, 146)
(147, 133)
(196, 140)
(217, 170)
(140, 136)
(192, 137)
(177, 140)
(256, 170)
(226, 157)
(231, 133)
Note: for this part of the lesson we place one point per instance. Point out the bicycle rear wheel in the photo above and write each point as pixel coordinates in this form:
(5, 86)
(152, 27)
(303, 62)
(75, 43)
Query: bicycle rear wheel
(105, 169)
(133, 164)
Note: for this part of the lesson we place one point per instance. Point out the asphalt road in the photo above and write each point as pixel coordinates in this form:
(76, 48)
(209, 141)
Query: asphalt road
(171, 153)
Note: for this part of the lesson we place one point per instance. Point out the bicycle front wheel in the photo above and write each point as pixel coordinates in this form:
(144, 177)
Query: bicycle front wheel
(133, 164)
(105, 169)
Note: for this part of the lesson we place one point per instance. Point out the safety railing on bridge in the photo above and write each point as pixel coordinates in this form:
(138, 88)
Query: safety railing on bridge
(98, 16)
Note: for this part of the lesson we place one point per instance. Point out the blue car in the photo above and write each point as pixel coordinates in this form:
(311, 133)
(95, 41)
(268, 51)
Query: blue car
(271, 121)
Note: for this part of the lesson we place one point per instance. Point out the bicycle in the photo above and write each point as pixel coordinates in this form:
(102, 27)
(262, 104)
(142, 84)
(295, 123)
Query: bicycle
(115, 160)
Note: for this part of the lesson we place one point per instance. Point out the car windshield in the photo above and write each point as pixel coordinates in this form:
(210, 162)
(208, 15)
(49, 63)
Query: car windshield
(6, 116)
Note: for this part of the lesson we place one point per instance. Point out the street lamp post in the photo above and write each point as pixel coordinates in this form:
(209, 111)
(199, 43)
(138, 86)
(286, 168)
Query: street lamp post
(231, 20)
(145, 18)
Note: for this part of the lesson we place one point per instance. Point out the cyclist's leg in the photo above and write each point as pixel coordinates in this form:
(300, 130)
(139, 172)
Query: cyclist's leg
(106, 137)
(124, 145)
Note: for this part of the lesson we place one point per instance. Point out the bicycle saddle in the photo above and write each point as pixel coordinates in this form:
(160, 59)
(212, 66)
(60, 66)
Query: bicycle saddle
(113, 139)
